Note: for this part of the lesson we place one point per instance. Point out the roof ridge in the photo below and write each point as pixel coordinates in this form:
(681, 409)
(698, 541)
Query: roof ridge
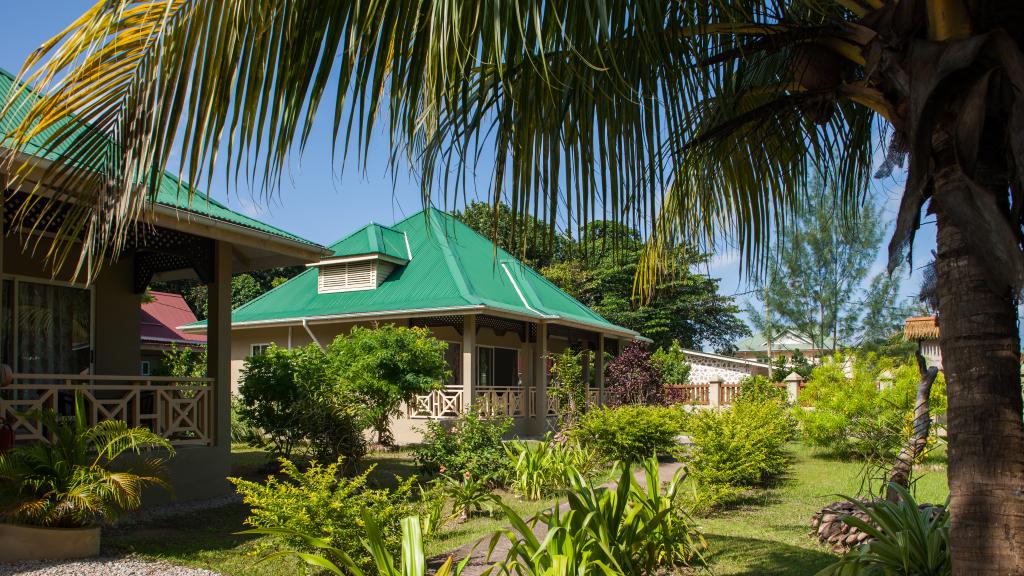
(454, 265)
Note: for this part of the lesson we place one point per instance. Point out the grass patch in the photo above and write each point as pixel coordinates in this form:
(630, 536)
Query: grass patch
(767, 532)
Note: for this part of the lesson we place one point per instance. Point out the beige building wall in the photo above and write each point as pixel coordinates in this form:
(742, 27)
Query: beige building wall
(406, 430)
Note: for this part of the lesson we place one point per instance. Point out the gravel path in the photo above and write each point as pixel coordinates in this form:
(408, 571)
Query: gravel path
(122, 566)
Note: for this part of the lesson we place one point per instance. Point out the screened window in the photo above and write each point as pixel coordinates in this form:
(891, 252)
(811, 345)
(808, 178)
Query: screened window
(453, 356)
(498, 367)
(45, 328)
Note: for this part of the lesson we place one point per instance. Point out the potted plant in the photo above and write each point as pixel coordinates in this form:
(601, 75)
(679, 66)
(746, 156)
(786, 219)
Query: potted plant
(54, 495)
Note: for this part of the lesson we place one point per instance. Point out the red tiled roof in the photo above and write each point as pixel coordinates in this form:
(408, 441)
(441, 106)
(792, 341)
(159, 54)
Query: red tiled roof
(161, 317)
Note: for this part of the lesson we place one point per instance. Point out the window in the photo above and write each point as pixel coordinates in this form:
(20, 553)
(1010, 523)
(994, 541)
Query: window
(453, 356)
(45, 328)
(145, 369)
(497, 367)
(259, 349)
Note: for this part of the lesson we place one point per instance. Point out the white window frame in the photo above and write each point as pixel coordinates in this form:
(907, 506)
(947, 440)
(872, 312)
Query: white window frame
(145, 368)
(262, 346)
(17, 279)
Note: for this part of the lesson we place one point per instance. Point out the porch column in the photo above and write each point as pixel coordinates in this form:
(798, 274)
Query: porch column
(599, 368)
(540, 379)
(218, 340)
(468, 357)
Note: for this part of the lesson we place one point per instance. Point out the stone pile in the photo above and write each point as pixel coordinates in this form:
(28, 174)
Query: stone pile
(828, 527)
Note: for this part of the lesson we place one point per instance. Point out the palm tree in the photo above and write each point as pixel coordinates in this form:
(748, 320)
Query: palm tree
(85, 475)
(706, 117)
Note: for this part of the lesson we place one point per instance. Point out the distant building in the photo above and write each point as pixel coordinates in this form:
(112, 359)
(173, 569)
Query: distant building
(706, 367)
(925, 331)
(158, 330)
(756, 347)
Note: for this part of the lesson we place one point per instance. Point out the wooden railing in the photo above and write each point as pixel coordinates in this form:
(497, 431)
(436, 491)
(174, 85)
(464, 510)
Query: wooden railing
(506, 401)
(497, 400)
(181, 410)
(697, 394)
(442, 403)
(705, 394)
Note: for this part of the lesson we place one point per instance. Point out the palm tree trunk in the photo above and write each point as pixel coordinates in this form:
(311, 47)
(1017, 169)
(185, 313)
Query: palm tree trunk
(981, 360)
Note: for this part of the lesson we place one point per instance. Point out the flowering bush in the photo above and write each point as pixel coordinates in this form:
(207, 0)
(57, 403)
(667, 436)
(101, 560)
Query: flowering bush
(632, 378)
(471, 444)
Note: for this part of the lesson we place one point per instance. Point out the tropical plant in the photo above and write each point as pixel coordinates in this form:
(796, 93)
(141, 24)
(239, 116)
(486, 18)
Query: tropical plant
(472, 444)
(721, 108)
(630, 433)
(385, 366)
(760, 389)
(540, 467)
(739, 447)
(317, 503)
(293, 402)
(433, 509)
(633, 378)
(632, 528)
(184, 362)
(375, 543)
(467, 495)
(905, 539)
(671, 364)
(568, 388)
(84, 476)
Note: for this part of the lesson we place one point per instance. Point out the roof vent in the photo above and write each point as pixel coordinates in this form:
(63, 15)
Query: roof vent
(352, 276)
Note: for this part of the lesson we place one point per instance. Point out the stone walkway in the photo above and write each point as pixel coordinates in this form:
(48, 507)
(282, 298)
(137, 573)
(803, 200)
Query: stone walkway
(478, 554)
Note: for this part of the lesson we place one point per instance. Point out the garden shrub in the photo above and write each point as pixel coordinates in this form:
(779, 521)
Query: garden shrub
(761, 389)
(736, 448)
(630, 433)
(567, 386)
(541, 467)
(671, 364)
(384, 366)
(472, 444)
(318, 503)
(632, 378)
(293, 398)
(183, 362)
(852, 418)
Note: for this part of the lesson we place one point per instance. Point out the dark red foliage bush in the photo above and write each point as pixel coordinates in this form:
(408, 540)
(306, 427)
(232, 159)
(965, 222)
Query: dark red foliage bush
(633, 379)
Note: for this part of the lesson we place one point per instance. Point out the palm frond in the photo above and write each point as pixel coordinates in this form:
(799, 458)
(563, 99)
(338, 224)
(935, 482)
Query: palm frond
(588, 111)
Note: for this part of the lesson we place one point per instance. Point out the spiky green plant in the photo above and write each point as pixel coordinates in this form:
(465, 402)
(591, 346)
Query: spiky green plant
(81, 477)
(413, 559)
(905, 540)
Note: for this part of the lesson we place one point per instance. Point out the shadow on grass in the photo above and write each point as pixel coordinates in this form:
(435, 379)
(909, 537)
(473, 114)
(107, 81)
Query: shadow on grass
(751, 556)
(184, 535)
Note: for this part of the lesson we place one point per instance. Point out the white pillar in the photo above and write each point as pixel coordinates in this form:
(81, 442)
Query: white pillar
(715, 392)
(793, 382)
(468, 360)
(599, 368)
(540, 379)
(218, 340)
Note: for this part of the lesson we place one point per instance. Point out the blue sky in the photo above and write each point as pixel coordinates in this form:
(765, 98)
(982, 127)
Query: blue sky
(322, 202)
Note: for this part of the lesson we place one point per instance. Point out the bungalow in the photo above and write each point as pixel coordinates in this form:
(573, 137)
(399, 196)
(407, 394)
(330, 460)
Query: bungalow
(160, 315)
(758, 347)
(61, 336)
(500, 318)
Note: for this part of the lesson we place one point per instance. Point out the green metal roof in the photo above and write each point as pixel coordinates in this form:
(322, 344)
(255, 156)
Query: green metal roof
(452, 267)
(171, 193)
(373, 239)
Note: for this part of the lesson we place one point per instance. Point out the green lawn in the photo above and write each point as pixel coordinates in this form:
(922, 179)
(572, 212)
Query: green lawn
(766, 533)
